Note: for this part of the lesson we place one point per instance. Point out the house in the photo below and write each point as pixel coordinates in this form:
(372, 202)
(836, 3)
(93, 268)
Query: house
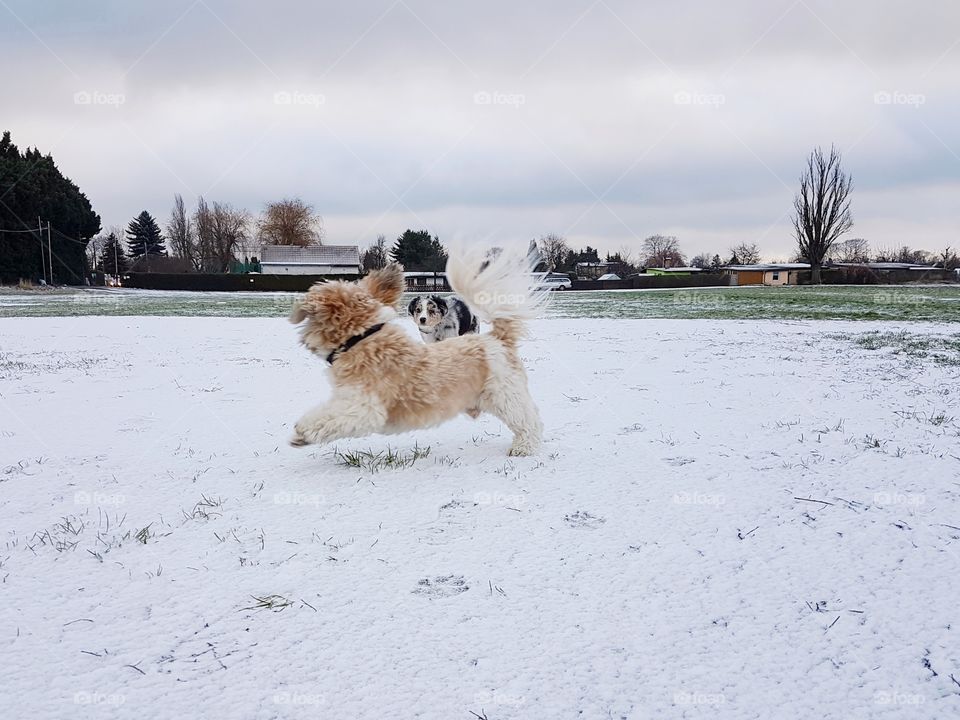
(593, 270)
(766, 274)
(310, 260)
(674, 271)
(425, 281)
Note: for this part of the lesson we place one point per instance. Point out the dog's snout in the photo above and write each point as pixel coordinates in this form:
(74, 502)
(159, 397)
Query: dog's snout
(423, 321)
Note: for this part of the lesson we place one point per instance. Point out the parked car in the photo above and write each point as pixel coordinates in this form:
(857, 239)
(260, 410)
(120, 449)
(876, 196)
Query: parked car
(554, 282)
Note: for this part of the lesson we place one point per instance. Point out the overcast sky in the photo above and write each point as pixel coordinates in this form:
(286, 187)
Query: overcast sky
(601, 121)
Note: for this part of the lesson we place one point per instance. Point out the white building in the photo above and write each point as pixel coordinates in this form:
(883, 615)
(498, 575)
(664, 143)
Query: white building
(310, 260)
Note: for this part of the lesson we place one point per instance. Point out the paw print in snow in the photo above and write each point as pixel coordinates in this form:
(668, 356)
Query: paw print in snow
(441, 586)
(584, 519)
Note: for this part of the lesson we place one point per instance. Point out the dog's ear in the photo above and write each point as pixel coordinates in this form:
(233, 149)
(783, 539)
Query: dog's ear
(297, 313)
(440, 302)
(412, 307)
(385, 285)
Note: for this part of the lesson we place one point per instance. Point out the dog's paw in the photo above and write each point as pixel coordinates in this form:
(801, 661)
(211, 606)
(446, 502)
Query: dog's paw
(298, 440)
(523, 448)
(474, 413)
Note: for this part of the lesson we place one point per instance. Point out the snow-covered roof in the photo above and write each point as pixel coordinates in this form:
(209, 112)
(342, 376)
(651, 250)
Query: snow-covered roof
(887, 266)
(310, 255)
(676, 269)
(765, 267)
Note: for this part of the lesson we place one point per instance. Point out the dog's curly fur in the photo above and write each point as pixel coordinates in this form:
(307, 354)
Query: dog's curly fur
(378, 384)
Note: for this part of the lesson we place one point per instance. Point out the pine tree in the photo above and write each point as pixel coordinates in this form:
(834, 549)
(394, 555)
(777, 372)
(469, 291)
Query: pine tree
(419, 251)
(144, 237)
(113, 261)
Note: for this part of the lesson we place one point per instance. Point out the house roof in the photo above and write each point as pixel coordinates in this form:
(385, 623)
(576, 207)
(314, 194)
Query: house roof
(765, 267)
(887, 266)
(310, 255)
(676, 269)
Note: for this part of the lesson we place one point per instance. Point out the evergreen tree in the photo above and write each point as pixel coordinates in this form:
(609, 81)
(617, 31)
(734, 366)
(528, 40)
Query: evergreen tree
(144, 236)
(32, 186)
(113, 261)
(419, 251)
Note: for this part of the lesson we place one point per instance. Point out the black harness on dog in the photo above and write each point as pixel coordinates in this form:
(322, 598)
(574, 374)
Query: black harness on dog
(351, 342)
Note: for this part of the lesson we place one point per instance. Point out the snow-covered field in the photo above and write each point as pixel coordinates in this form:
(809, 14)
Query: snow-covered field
(738, 519)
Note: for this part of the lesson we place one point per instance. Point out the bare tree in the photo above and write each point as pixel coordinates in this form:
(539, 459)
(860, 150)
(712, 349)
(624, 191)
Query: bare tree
(907, 254)
(702, 260)
(95, 247)
(99, 244)
(885, 254)
(745, 254)
(375, 257)
(948, 259)
(204, 256)
(180, 233)
(553, 251)
(662, 251)
(821, 208)
(290, 222)
(854, 250)
(229, 229)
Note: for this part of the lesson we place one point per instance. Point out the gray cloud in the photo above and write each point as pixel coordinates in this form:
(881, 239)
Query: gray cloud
(500, 120)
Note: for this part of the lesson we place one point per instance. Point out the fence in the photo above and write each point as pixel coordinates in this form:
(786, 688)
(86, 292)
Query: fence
(225, 282)
(873, 276)
(642, 282)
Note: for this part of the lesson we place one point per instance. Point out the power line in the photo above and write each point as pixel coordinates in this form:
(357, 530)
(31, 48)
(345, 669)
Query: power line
(58, 233)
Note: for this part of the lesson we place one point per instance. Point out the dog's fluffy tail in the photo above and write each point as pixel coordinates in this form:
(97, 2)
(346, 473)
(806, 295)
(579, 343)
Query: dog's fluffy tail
(499, 286)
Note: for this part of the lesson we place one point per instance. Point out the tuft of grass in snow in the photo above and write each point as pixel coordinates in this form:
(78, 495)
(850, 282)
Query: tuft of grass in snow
(374, 462)
(143, 534)
(937, 419)
(205, 509)
(941, 349)
(276, 603)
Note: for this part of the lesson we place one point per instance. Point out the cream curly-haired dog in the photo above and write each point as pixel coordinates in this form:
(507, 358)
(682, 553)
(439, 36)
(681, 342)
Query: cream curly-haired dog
(384, 381)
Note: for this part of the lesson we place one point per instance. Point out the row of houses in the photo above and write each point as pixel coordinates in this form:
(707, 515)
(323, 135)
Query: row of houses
(772, 274)
(332, 260)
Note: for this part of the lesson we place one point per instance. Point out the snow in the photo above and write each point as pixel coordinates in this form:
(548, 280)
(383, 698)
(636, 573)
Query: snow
(730, 519)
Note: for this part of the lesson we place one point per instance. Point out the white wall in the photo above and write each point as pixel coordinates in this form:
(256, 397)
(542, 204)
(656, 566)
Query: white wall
(296, 269)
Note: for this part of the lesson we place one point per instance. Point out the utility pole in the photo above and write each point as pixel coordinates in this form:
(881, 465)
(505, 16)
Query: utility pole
(43, 262)
(49, 252)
